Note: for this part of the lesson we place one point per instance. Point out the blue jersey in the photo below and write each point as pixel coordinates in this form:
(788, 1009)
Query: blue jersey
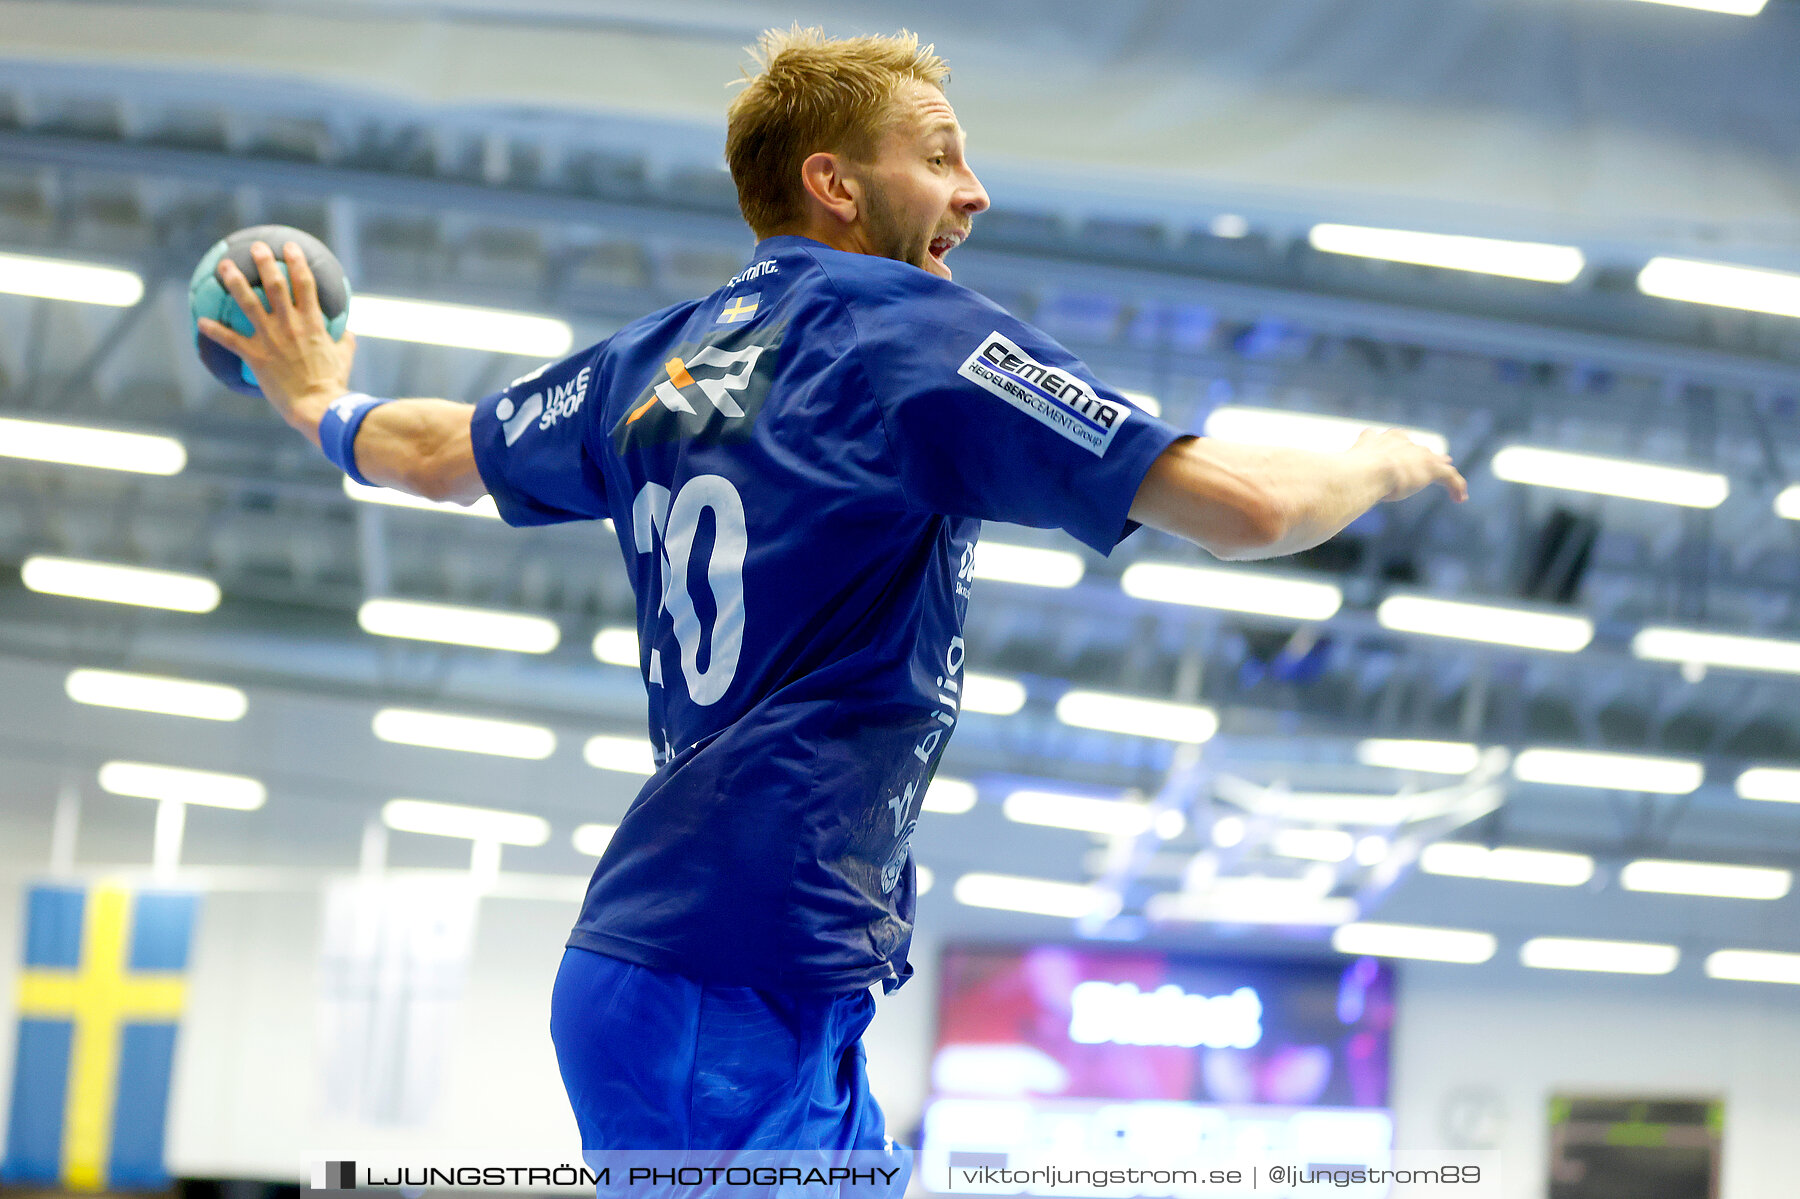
(797, 467)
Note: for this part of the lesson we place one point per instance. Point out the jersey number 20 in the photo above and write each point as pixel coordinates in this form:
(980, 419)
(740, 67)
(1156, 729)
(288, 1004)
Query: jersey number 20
(655, 520)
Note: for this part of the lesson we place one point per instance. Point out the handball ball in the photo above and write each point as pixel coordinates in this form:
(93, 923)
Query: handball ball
(208, 297)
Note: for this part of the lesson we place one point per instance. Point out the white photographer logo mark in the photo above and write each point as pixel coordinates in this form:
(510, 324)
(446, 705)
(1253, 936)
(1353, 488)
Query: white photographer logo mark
(1048, 395)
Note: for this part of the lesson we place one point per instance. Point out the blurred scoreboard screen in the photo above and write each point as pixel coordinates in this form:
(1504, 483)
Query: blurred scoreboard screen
(1065, 1055)
(1612, 1148)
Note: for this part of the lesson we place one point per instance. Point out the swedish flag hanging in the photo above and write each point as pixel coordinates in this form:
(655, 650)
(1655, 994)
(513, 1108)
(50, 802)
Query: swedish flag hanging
(99, 998)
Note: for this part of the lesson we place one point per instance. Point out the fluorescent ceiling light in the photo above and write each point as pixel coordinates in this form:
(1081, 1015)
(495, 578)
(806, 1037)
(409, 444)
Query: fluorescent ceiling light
(1732, 8)
(1787, 504)
(1302, 430)
(470, 734)
(1250, 906)
(1189, 723)
(1505, 864)
(1431, 757)
(57, 279)
(1721, 285)
(1313, 844)
(628, 755)
(1232, 590)
(436, 324)
(1749, 965)
(617, 645)
(1616, 772)
(1228, 831)
(78, 445)
(111, 584)
(1339, 807)
(145, 781)
(1484, 255)
(1035, 895)
(1027, 564)
(592, 839)
(1143, 400)
(1229, 225)
(950, 796)
(992, 694)
(401, 499)
(1611, 476)
(1414, 941)
(154, 693)
(1660, 644)
(1084, 813)
(1607, 957)
(459, 820)
(922, 879)
(456, 625)
(1705, 878)
(1769, 783)
(1485, 622)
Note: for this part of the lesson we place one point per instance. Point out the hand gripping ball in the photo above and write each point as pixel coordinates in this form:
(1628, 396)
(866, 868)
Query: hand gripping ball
(208, 297)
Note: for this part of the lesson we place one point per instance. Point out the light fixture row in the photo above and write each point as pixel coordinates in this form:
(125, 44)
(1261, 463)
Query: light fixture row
(1070, 900)
(1730, 8)
(1716, 880)
(1045, 897)
(144, 780)
(1113, 816)
(508, 332)
(1692, 281)
(1472, 947)
(1101, 814)
(395, 318)
(496, 826)
(1195, 586)
(1189, 723)
(1538, 466)
(503, 331)
(1289, 598)
(400, 726)
(159, 454)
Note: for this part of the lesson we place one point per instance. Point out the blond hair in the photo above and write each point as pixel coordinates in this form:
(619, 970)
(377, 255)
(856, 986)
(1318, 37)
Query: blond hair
(811, 94)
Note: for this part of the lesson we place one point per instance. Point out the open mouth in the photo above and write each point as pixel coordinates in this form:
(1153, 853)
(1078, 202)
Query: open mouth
(943, 243)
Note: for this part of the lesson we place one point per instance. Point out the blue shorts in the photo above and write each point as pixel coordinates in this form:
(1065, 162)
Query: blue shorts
(653, 1060)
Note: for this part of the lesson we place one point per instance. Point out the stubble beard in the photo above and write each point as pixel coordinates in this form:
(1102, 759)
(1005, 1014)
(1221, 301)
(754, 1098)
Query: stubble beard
(888, 234)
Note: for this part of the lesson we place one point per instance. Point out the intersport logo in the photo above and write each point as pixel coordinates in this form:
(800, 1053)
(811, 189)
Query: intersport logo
(543, 408)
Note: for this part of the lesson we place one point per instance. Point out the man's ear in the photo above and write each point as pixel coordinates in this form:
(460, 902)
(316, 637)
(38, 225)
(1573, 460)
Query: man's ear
(831, 188)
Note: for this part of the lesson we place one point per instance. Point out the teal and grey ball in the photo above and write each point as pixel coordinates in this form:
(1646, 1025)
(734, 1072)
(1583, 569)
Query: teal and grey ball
(207, 296)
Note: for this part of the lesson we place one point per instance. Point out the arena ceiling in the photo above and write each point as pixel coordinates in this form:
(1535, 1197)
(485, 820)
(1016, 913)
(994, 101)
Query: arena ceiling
(563, 159)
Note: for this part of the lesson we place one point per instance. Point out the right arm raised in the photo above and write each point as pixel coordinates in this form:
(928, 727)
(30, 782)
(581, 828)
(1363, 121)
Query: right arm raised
(420, 446)
(1244, 502)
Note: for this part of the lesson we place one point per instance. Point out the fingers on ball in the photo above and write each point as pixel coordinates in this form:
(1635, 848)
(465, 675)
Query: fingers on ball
(230, 338)
(239, 289)
(306, 290)
(274, 283)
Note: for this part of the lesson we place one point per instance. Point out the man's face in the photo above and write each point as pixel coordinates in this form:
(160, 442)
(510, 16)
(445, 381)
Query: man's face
(919, 195)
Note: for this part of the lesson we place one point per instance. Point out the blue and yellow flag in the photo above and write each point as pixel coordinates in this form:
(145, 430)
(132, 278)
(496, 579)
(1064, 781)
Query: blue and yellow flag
(99, 999)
